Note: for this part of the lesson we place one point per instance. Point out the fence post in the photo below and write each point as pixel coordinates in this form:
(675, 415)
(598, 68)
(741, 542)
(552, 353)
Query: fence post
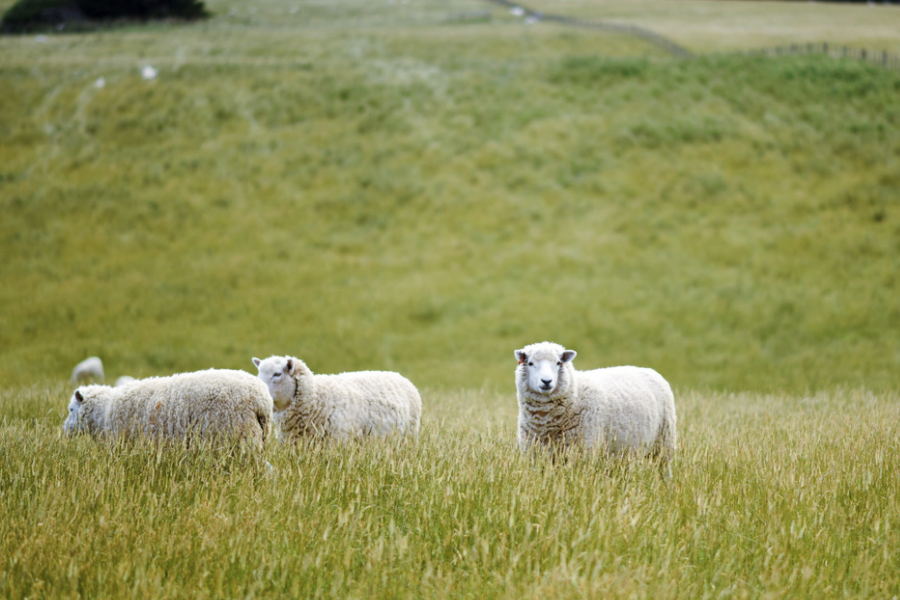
(864, 54)
(825, 48)
(884, 58)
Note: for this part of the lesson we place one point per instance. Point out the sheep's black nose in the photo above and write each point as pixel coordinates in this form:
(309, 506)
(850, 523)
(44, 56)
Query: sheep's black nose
(546, 382)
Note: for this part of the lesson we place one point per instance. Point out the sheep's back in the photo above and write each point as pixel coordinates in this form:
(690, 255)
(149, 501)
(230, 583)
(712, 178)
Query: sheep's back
(626, 406)
(214, 403)
(371, 401)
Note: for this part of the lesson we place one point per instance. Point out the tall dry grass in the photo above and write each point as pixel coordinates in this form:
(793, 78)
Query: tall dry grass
(772, 496)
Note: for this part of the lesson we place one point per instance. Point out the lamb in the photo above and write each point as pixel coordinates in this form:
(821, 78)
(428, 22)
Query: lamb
(90, 369)
(345, 406)
(219, 406)
(621, 411)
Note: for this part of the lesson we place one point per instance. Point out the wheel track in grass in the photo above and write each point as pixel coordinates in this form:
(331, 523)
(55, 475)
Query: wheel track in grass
(645, 34)
(880, 58)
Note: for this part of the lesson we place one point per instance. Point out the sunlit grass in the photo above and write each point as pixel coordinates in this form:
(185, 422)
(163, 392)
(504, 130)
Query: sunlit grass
(775, 495)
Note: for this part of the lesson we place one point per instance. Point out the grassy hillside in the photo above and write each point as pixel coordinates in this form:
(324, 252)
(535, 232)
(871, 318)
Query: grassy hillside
(379, 186)
(772, 497)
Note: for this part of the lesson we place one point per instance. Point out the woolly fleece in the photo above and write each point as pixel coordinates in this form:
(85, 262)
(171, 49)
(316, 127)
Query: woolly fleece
(617, 410)
(344, 406)
(214, 405)
(90, 369)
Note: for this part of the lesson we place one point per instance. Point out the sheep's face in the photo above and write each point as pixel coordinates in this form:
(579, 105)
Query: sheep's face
(280, 374)
(73, 424)
(544, 369)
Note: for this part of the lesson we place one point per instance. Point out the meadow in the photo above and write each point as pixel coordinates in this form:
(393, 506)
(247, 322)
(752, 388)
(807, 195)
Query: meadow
(772, 496)
(397, 186)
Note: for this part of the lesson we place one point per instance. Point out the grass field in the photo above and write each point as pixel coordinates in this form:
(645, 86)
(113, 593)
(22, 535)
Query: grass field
(388, 186)
(772, 497)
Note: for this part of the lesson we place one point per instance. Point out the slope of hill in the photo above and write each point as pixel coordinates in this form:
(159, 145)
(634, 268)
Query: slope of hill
(392, 187)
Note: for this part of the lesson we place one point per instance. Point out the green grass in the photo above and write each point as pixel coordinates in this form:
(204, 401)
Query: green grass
(772, 496)
(428, 197)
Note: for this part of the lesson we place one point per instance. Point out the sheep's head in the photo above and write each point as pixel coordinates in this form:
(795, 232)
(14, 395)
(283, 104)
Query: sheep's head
(284, 375)
(544, 369)
(75, 423)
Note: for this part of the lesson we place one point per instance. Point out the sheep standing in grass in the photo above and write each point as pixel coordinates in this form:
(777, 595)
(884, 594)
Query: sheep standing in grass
(90, 369)
(365, 403)
(617, 410)
(218, 406)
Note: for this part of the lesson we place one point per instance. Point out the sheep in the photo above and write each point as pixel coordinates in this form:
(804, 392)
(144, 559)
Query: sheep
(90, 369)
(214, 405)
(621, 411)
(344, 406)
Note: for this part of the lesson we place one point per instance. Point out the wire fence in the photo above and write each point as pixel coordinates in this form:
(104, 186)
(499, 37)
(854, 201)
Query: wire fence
(883, 58)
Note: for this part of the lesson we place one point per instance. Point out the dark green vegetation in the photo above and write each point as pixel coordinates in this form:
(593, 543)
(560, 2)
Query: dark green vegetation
(143, 9)
(31, 15)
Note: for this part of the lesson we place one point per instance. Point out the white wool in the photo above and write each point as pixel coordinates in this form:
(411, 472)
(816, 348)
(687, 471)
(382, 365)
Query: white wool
(219, 405)
(364, 403)
(124, 380)
(617, 410)
(90, 369)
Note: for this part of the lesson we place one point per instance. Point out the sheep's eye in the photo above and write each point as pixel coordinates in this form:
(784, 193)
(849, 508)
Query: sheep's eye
(277, 375)
(559, 363)
(530, 364)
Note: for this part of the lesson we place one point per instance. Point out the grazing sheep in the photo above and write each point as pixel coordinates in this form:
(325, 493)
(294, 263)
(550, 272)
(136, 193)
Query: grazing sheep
(340, 406)
(214, 405)
(617, 410)
(124, 380)
(90, 369)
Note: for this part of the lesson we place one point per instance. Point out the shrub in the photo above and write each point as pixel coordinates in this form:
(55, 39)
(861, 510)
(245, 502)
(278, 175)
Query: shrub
(28, 15)
(142, 9)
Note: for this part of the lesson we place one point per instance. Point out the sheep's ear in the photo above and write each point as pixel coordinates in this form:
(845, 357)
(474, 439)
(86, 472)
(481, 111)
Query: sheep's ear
(521, 356)
(289, 367)
(568, 356)
(79, 396)
(256, 361)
